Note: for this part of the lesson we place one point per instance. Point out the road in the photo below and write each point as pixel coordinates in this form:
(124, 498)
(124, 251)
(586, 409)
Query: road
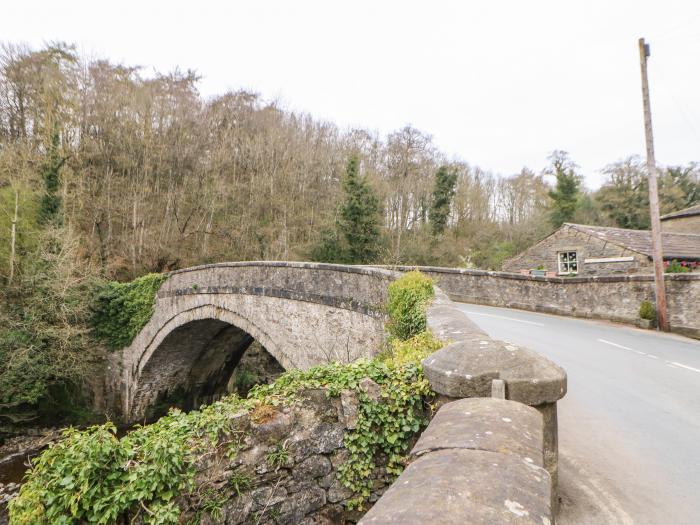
(629, 427)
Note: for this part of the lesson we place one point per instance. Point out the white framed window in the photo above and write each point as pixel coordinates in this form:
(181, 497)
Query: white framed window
(568, 262)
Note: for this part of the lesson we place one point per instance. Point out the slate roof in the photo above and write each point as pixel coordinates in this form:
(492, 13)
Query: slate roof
(688, 212)
(684, 246)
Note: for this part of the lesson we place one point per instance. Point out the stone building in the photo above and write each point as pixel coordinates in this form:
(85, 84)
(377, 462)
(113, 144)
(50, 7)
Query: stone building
(576, 249)
(683, 221)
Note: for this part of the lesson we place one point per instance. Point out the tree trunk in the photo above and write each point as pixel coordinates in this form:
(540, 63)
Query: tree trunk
(13, 239)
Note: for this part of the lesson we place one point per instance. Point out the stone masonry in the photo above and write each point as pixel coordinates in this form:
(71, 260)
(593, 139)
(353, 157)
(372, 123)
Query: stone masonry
(478, 462)
(297, 311)
(205, 317)
(301, 485)
(614, 298)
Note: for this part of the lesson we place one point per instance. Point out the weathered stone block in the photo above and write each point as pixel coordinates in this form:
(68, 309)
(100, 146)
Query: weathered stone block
(313, 467)
(297, 506)
(350, 408)
(488, 424)
(456, 486)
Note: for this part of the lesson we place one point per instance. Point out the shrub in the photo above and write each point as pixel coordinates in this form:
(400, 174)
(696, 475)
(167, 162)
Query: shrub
(408, 299)
(121, 310)
(647, 311)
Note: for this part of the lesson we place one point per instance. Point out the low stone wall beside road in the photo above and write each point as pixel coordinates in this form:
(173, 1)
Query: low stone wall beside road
(615, 298)
(480, 462)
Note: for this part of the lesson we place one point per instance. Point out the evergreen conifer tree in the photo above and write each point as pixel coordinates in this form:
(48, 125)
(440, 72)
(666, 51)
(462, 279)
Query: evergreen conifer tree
(565, 196)
(443, 193)
(359, 217)
(51, 200)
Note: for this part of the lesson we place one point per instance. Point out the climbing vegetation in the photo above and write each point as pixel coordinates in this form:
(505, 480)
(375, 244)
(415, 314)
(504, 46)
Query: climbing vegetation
(92, 476)
(676, 267)
(122, 309)
(408, 299)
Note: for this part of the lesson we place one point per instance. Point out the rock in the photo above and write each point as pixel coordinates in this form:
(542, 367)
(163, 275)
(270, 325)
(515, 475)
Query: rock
(372, 389)
(350, 407)
(276, 428)
(326, 480)
(485, 424)
(313, 467)
(339, 457)
(337, 492)
(331, 515)
(488, 487)
(323, 439)
(296, 507)
(268, 496)
(237, 510)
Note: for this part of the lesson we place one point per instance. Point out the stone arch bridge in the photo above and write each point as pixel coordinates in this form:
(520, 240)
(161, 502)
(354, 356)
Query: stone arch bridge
(205, 318)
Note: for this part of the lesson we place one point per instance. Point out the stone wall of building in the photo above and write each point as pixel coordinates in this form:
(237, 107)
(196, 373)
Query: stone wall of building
(690, 224)
(544, 253)
(614, 298)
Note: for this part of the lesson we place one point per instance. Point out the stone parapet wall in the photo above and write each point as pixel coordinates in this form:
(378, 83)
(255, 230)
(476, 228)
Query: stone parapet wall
(687, 224)
(615, 298)
(360, 288)
(481, 460)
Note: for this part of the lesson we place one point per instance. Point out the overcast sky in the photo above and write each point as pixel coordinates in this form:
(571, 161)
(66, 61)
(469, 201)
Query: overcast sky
(499, 84)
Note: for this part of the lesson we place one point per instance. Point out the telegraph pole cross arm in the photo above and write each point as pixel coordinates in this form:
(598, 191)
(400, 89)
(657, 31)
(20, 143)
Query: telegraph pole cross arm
(657, 248)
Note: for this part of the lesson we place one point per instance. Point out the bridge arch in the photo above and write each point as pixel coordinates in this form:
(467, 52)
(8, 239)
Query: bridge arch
(205, 318)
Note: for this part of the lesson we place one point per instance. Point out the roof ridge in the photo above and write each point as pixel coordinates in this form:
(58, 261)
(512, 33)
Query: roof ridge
(681, 233)
(690, 210)
(628, 229)
(605, 227)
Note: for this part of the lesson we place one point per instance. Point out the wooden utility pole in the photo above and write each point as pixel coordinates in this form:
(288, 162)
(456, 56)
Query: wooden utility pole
(657, 248)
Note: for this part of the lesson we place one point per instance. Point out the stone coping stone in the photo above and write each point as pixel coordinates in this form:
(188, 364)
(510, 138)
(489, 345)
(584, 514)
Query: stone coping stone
(469, 362)
(489, 424)
(347, 268)
(466, 487)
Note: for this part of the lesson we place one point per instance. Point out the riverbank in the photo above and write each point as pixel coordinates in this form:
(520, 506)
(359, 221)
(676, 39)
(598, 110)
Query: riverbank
(15, 456)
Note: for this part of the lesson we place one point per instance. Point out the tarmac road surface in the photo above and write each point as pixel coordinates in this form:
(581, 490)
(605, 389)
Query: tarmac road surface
(629, 426)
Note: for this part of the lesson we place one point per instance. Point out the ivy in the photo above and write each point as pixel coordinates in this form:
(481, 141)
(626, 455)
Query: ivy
(121, 310)
(92, 476)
